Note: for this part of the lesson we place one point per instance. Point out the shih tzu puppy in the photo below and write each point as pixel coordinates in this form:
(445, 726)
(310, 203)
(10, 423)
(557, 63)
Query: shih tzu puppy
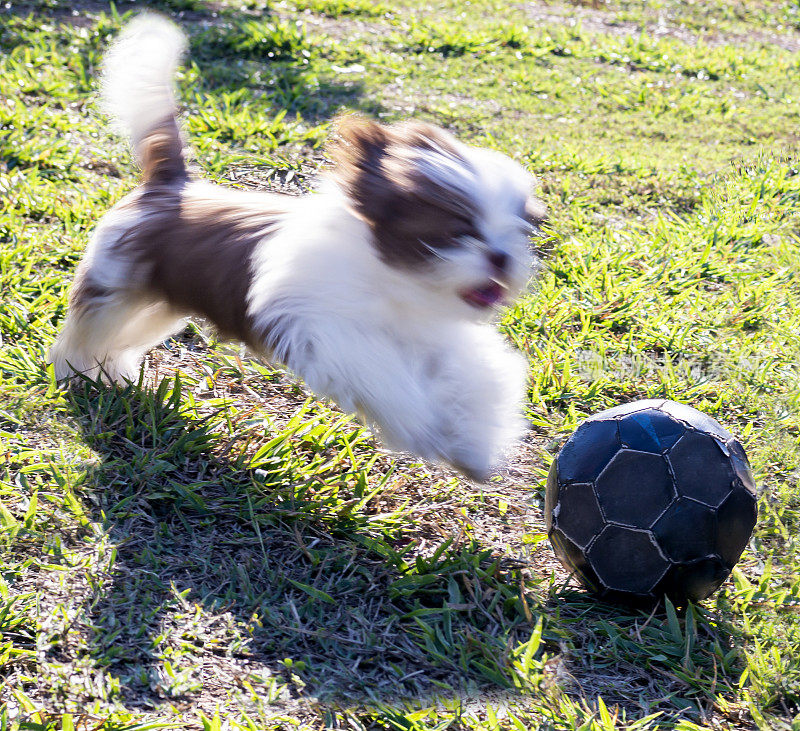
(377, 290)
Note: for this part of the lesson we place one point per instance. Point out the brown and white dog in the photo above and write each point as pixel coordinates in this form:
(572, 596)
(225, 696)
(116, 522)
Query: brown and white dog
(377, 290)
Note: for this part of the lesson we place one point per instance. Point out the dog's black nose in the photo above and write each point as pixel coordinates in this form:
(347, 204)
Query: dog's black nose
(498, 259)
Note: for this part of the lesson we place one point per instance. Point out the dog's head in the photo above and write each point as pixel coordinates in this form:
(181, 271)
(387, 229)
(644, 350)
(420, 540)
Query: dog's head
(457, 218)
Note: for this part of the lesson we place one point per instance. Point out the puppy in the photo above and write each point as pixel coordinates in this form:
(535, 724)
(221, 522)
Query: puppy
(377, 290)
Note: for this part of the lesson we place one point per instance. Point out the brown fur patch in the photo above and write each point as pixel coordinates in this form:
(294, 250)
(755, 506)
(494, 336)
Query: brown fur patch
(85, 290)
(197, 250)
(378, 167)
(161, 154)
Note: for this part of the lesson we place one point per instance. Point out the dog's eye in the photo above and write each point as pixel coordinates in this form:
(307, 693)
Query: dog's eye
(465, 229)
(453, 237)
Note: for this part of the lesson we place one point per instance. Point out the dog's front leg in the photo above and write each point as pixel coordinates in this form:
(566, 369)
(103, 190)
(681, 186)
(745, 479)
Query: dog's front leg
(380, 379)
(477, 388)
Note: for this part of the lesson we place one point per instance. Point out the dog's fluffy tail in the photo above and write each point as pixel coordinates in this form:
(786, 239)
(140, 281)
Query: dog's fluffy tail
(138, 91)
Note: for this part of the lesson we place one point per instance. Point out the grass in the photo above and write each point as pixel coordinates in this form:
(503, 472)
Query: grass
(214, 548)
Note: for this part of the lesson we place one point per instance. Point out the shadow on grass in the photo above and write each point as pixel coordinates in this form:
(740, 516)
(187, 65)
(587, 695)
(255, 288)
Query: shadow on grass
(283, 67)
(651, 662)
(267, 566)
(270, 564)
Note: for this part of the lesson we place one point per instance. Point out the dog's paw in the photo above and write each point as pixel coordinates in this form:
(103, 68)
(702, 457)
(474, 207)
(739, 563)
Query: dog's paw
(471, 462)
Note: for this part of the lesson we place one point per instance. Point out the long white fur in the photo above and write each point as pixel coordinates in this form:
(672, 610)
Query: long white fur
(402, 348)
(138, 74)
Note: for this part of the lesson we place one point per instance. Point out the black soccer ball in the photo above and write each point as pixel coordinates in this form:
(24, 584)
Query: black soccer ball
(650, 499)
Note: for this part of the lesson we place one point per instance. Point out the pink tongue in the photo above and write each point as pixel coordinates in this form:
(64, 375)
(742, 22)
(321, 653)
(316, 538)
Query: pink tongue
(484, 296)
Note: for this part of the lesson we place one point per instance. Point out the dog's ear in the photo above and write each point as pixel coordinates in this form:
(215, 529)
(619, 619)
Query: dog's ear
(359, 150)
(378, 165)
(379, 169)
(357, 142)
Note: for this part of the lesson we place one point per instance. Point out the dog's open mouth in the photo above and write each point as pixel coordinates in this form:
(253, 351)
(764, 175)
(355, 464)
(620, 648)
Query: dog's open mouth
(490, 294)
